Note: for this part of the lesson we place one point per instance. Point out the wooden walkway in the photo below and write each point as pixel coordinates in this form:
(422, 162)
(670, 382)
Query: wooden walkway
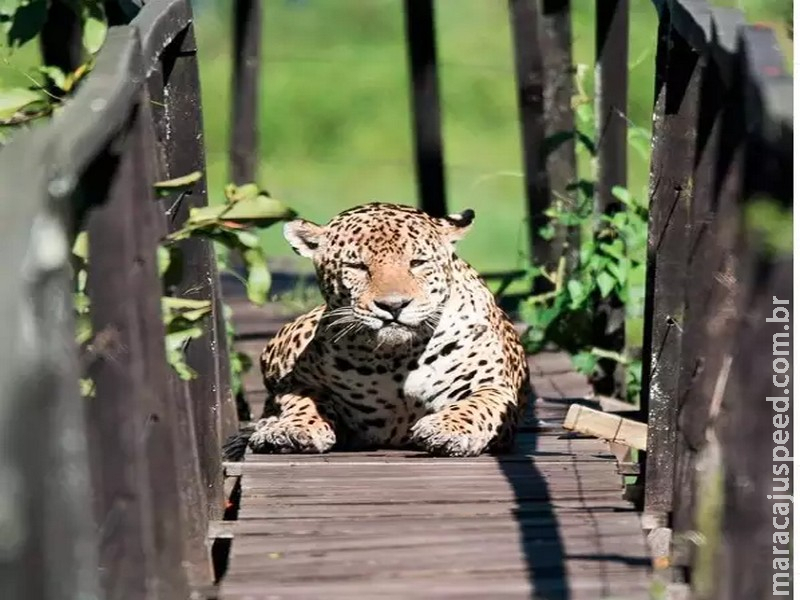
(547, 522)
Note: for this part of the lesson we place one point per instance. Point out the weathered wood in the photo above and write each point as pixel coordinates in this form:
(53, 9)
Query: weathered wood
(525, 16)
(607, 427)
(549, 518)
(244, 106)
(704, 259)
(118, 415)
(165, 493)
(752, 401)
(555, 40)
(672, 163)
(611, 113)
(181, 140)
(757, 404)
(426, 119)
(49, 548)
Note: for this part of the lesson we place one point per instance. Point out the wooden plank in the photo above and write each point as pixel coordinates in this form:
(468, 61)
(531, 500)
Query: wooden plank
(706, 257)
(675, 120)
(182, 151)
(440, 586)
(256, 508)
(117, 416)
(426, 120)
(749, 514)
(611, 112)
(326, 528)
(49, 536)
(525, 15)
(611, 428)
(755, 466)
(137, 175)
(415, 565)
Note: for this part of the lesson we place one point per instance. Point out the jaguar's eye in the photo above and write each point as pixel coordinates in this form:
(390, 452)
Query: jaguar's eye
(356, 266)
(418, 262)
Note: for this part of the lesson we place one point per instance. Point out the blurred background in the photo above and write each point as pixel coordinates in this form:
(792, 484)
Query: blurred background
(335, 121)
(335, 111)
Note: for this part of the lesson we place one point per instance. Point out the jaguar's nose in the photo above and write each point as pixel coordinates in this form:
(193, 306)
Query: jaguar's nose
(392, 304)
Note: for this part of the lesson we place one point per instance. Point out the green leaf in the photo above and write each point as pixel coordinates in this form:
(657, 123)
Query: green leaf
(237, 193)
(260, 211)
(81, 278)
(577, 292)
(164, 258)
(606, 283)
(184, 308)
(175, 343)
(26, 18)
(623, 195)
(9, 7)
(55, 75)
(615, 248)
(585, 362)
(547, 232)
(88, 388)
(620, 270)
(585, 113)
(258, 276)
(178, 184)
(83, 328)
(94, 33)
(80, 247)
(14, 100)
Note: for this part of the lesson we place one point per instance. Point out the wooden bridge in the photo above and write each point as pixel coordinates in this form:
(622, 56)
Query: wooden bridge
(125, 494)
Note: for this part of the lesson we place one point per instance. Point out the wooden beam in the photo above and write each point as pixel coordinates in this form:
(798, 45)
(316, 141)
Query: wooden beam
(605, 426)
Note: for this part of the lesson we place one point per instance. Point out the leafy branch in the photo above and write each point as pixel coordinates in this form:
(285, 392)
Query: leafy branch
(232, 226)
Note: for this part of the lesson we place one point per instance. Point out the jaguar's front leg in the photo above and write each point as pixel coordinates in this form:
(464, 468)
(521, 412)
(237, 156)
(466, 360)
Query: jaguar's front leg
(467, 427)
(299, 426)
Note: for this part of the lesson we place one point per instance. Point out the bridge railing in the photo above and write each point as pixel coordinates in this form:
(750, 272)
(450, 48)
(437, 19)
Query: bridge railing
(109, 495)
(719, 264)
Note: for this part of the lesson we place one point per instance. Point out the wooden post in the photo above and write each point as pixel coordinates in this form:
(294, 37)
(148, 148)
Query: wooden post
(757, 402)
(244, 105)
(525, 17)
(611, 112)
(49, 539)
(195, 426)
(672, 164)
(556, 47)
(709, 287)
(421, 44)
(127, 422)
(208, 356)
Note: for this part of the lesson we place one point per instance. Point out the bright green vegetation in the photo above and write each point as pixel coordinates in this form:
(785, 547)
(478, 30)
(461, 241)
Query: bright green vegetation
(335, 123)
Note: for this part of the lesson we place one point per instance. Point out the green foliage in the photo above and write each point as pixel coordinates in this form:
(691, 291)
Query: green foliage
(610, 261)
(20, 22)
(231, 227)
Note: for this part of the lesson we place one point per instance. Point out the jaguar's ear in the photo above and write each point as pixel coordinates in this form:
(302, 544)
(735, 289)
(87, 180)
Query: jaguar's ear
(303, 236)
(457, 225)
